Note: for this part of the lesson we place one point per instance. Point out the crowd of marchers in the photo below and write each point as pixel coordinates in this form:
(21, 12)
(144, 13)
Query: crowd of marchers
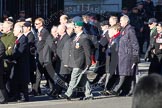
(63, 56)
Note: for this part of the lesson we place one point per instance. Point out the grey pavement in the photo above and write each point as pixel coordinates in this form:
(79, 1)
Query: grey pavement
(100, 102)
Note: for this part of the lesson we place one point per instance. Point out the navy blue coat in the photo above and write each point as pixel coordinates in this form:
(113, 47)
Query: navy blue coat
(128, 51)
(112, 51)
(21, 55)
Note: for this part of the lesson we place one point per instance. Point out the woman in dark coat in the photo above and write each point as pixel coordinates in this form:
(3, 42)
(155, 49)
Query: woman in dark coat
(112, 52)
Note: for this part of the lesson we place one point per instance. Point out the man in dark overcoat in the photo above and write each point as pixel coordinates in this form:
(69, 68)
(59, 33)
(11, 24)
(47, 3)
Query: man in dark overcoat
(128, 53)
(32, 48)
(21, 74)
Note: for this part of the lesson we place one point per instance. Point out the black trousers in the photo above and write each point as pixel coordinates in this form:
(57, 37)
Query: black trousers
(63, 79)
(110, 81)
(32, 69)
(120, 84)
(3, 94)
(18, 87)
(125, 85)
(48, 71)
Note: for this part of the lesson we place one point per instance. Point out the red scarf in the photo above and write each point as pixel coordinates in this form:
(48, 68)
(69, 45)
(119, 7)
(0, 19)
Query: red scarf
(115, 36)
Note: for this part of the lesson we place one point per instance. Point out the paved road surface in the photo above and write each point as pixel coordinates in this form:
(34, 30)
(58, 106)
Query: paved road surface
(99, 101)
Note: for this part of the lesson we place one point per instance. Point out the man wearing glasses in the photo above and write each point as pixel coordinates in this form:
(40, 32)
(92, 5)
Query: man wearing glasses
(44, 65)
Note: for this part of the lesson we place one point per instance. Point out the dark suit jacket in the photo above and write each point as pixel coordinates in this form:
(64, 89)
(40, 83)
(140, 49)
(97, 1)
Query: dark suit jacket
(21, 55)
(102, 46)
(104, 39)
(47, 50)
(112, 51)
(32, 49)
(31, 42)
(80, 53)
(60, 45)
(40, 44)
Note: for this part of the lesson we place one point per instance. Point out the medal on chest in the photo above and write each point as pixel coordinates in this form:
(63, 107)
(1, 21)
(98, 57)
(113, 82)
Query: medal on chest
(77, 45)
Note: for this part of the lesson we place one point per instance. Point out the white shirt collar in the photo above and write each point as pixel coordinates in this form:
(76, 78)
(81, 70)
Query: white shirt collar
(27, 33)
(18, 37)
(79, 34)
(104, 32)
(40, 29)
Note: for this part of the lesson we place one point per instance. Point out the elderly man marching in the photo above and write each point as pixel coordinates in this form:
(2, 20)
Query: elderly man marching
(79, 60)
(128, 55)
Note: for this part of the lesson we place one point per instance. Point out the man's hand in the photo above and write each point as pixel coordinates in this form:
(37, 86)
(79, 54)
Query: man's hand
(160, 46)
(65, 65)
(146, 59)
(153, 51)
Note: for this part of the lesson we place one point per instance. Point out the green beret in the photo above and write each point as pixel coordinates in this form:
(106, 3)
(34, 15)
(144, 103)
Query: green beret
(79, 23)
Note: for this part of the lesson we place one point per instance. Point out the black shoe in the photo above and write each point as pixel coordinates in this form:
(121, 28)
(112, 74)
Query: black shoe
(88, 98)
(64, 96)
(54, 96)
(129, 94)
(22, 100)
(12, 99)
(53, 93)
(114, 93)
(34, 93)
(4, 102)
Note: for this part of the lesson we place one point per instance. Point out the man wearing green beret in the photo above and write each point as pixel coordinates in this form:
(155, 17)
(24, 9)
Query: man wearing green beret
(80, 61)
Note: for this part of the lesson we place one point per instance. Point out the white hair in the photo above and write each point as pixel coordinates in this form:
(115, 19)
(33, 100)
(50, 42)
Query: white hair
(54, 27)
(126, 18)
(9, 24)
(18, 27)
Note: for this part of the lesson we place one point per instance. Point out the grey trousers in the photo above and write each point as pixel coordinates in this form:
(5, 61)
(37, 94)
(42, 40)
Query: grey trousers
(75, 79)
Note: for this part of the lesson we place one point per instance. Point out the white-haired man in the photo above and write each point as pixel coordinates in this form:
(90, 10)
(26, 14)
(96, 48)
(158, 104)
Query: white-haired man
(128, 55)
(20, 78)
